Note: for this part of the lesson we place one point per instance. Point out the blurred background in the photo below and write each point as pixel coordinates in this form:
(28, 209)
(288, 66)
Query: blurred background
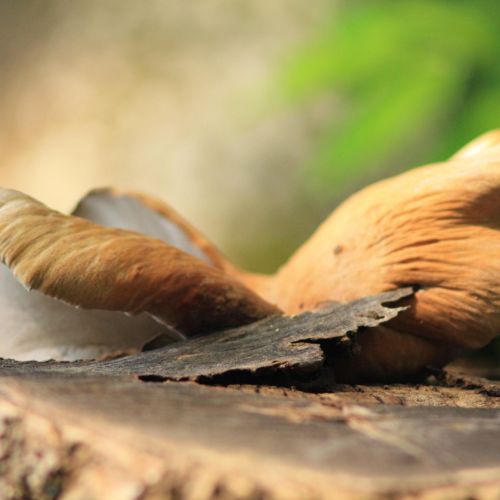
(173, 98)
(253, 119)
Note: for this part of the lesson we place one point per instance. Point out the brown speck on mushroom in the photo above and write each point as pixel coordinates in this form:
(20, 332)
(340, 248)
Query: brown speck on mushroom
(338, 249)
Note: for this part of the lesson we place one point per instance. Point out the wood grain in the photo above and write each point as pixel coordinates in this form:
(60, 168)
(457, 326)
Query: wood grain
(93, 437)
(141, 428)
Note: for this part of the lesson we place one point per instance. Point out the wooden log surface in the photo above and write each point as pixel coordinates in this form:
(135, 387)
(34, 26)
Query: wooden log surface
(143, 427)
(74, 436)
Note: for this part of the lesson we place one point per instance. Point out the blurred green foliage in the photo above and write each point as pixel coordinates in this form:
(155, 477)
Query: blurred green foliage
(417, 81)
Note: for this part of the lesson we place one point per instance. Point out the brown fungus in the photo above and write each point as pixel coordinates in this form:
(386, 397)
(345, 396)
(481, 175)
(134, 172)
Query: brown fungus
(94, 267)
(436, 228)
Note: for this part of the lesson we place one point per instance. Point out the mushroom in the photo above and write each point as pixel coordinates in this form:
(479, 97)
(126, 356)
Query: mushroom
(105, 269)
(436, 228)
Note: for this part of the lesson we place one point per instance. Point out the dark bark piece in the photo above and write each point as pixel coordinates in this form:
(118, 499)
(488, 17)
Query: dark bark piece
(66, 435)
(278, 350)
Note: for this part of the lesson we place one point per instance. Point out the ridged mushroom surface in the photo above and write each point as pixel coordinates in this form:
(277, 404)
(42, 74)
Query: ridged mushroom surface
(90, 266)
(436, 228)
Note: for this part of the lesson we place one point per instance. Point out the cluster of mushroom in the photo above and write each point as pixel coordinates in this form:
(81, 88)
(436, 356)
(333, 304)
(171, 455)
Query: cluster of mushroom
(124, 267)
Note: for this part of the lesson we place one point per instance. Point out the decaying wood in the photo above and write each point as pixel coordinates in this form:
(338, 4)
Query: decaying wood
(139, 428)
(278, 350)
(69, 435)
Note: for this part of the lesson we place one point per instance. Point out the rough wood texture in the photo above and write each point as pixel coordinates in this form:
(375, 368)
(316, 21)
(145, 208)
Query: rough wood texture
(140, 428)
(91, 437)
(278, 350)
